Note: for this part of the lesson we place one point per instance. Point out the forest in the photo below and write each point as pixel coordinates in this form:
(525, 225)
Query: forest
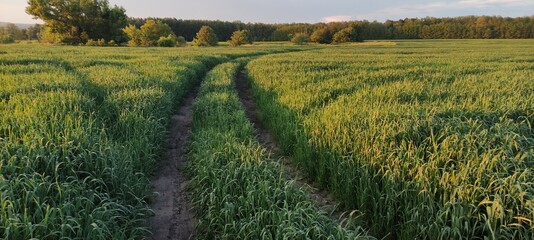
(466, 27)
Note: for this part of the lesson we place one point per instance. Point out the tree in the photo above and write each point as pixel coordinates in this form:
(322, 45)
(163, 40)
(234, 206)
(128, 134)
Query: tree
(32, 32)
(152, 31)
(76, 21)
(321, 35)
(169, 41)
(47, 36)
(458, 27)
(205, 37)
(240, 37)
(300, 38)
(180, 41)
(117, 20)
(134, 34)
(4, 37)
(149, 34)
(10, 33)
(14, 31)
(348, 34)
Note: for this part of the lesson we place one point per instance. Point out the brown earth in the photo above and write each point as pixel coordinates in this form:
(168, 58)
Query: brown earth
(174, 217)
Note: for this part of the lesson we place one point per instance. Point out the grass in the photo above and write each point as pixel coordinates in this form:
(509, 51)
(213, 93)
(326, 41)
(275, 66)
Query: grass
(427, 139)
(238, 191)
(424, 139)
(81, 130)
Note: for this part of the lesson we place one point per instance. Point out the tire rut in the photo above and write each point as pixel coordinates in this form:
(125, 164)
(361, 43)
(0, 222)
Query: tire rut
(323, 199)
(174, 217)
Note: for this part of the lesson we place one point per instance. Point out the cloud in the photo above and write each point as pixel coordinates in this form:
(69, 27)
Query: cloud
(406, 11)
(337, 19)
(434, 8)
(488, 3)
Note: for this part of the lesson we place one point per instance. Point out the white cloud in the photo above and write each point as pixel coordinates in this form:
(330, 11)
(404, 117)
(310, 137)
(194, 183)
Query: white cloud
(434, 8)
(336, 19)
(406, 11)
(488, 3)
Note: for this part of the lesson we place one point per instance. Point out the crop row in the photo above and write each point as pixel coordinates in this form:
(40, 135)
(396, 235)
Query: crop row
(80, 132)
(79, 136)
(427, 140)
(239, 193)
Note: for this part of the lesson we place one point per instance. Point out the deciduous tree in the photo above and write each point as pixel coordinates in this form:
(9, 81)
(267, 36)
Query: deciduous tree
(76, 21)
(300, 38)
(240, 37)
(348, 34)
(321, 35)
(134, 34)
(152, 31)
(205, 37)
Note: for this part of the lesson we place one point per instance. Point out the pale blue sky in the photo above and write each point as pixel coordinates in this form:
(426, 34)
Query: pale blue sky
(285, 11)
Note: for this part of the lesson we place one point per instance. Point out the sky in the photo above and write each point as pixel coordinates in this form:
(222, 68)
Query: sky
(289, 11)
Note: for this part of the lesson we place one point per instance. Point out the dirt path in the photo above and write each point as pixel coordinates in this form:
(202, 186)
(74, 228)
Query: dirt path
(322, 198)
(174, 218)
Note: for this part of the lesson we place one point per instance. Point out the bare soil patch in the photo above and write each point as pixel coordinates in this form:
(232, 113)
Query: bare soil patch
(174, 216)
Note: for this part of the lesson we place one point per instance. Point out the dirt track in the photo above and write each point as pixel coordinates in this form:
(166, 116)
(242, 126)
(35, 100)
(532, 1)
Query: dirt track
(322, 198)
(174, 218)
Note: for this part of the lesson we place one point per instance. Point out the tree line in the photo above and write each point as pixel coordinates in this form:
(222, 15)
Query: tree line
(11, 33)
(95, 22)
(467, 27)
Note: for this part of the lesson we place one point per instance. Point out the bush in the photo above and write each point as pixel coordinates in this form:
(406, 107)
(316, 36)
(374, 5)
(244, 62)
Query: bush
(96, 43)
(113, 43)
(91, 42)
(300, 38)
(205, 37)
(321, 35)
(7, 39)
(239, 38)
(148, 35)
(180, 41)
(343, 36)
(134, 35)
(169, 41)
(348, 34)
(48, 36)
(152, 31)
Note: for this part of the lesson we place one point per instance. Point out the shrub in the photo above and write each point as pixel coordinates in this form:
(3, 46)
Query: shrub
(102, 42)
(113, 43)
(180, 41)
(152, 31)
(91, 42)
(48, 36)
(300, 38)
(7, 39)
(321, 35)
(348, 34)
(205, 37)
(148, 35)
(239, 38)
(134, 34)
(169, 41)
(96, 43)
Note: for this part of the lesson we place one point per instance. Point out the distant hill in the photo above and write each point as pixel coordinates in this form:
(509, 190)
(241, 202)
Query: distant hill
(20, 25)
